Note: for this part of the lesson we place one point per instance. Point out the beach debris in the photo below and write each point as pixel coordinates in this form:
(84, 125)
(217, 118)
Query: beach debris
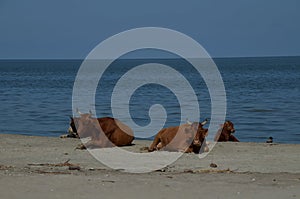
(4, 167)
(81, 147)
(111, 181)
(188, 171)
(96, 169)
(213, 171)
(161, 170)
(213, 165)
(64, 164)
(52, 172)
(74, 167)
(216, 171)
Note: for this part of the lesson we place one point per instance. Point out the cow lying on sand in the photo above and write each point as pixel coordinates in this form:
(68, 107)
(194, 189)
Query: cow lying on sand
(112, 132)
(224, 134)
(186, 138)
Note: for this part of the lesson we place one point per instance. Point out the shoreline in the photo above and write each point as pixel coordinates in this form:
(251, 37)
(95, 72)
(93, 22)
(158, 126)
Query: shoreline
(139, 139)
(38, 166)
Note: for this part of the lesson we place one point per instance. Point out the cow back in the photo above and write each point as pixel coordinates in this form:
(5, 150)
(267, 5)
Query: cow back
(117, 132)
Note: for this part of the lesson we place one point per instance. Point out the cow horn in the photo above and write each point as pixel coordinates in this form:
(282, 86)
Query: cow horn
(78, 111)
(188, 122)
(204, 122)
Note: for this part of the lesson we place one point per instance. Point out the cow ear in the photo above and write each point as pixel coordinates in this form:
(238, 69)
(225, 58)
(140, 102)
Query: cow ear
(77, 111)
(206, 133)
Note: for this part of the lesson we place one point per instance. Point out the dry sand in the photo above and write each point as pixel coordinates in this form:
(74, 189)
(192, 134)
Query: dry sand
(38, 167)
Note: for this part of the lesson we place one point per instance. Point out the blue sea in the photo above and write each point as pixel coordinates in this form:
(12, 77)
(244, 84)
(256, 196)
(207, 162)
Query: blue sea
(262, 95)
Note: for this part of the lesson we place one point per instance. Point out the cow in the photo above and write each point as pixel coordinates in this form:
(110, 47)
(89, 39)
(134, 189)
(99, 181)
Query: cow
(189, 137)
(104, 132)
(225, 132)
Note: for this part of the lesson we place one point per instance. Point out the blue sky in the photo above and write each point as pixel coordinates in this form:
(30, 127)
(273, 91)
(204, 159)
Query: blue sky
(72, 28)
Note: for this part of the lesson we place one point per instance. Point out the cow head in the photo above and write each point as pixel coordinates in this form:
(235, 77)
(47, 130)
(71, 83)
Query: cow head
(85, 125)
(72, 121)
(72, 125)
(198, 145)
(201, 132)
(198, 131)
(228, 127)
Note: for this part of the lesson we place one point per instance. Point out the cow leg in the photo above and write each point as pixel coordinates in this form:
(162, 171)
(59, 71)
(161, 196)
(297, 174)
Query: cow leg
(203, 149)
(159, 146)
(94, 144)
(155, 143)
(189, 150)
(233, 138)
(218, 137)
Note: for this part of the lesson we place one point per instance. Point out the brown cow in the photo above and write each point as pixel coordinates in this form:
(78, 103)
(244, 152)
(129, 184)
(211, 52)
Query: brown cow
(112, 132)
(224, 134)
(185, 138)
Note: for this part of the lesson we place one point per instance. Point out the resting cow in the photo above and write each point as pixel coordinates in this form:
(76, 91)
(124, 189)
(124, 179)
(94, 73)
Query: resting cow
(112, 132)
(186, 138)
(224, 134)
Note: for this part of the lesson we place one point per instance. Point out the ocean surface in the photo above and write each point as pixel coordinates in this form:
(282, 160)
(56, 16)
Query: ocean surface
(262, 96)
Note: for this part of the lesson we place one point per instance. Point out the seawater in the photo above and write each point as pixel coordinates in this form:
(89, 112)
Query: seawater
(262, 95)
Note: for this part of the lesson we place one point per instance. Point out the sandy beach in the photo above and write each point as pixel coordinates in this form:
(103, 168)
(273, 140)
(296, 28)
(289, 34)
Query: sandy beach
(49, 167)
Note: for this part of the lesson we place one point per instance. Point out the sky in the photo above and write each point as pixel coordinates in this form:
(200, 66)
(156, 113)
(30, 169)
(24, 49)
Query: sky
(70, 29)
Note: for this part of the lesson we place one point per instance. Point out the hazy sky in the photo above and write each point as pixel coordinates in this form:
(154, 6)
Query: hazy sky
(72, 28)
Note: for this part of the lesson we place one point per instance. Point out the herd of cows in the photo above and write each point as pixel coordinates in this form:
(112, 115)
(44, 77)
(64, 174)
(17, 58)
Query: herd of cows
(109, 132)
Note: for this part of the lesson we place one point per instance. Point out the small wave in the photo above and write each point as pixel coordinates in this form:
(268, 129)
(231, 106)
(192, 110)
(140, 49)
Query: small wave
(261, 110)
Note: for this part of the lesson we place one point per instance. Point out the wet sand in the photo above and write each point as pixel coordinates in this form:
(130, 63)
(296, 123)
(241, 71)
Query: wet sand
(35, 167)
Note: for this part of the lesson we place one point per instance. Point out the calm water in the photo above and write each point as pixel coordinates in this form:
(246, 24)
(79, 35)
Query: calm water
(262, 96)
